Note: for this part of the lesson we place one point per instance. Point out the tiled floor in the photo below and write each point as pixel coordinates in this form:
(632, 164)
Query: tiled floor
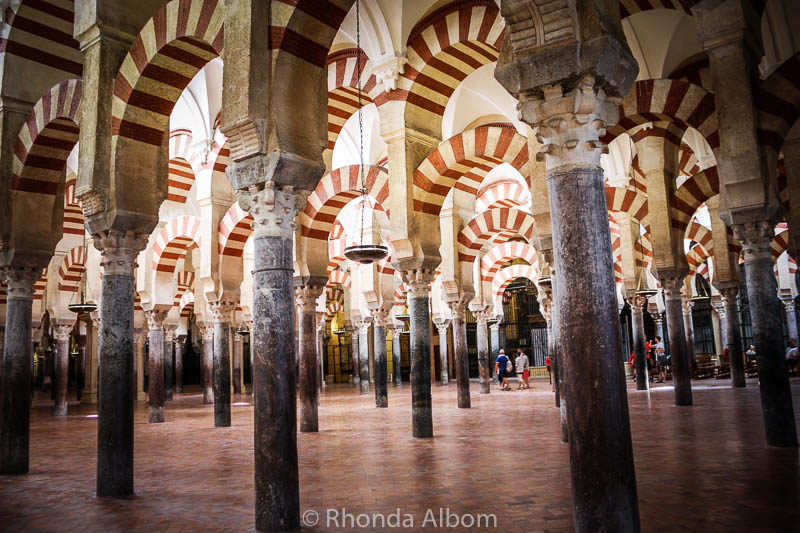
(703, 468)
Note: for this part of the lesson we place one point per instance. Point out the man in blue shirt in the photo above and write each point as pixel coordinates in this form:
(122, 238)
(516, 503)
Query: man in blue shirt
(501, 369)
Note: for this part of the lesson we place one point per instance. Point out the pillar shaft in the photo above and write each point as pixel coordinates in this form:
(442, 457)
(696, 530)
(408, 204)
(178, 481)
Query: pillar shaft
(355, 345)
(681, 367)
(180, 349)
(221, 366)
(363, 356)
(494, 342)
(116, 392)
(15, 377)
(461, 355)
(306, 298)
(379, 340)
(62, 368)
(733, 336)
(791, 318)
(80, 370)
(443, 356)
(237, 364)
(207, 363)
(169, 368)
(138, 353)
(688, 327)
(640, 357)
(765, 314)
(90, 390)
(397, 356)
(421, 410)
(485, 373)
(157, 393)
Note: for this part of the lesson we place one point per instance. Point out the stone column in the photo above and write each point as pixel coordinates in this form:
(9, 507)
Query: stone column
(418, 281)
(546, 307)
(116, 394)
(658, 319)
(138, 353)
(355, 344)
(320, 350)
(379, 318)
(273, 208)
(397, 355)
(15, 378)
(765, 314)
(733, 334)
(363, 354)
(63, 330)
(461, 354)
(221, 361)
(169, 368)
(637, 325)
(207, 362)
(681, 368)
(155, 362)
(688, 327)
(237, 362)
(791, 317)
(92, 330)
(442, 325)
(180, 348)
(569, 127)
(306, 291)
(718, 323)
(494, 342)
(484, 364)
(80, 366)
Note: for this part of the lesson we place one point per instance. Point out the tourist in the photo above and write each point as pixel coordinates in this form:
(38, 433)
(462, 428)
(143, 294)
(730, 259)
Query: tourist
(791, 356)
(502, 367)
(549, 370)
(523, 369)
(750, 354)
(661, 360)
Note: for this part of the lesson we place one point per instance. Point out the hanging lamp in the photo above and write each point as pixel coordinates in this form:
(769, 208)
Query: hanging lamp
(84, 305)
(642, 289)
(702, 292)
(362, 253)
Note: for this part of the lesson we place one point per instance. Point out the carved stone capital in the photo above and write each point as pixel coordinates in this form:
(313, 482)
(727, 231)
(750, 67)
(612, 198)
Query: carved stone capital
(155, 319)
(687, 304)
(482, 316)
(222, 310)
(672, 285)
(457, 309)
(755, 238)
(789, 305)
(20, 281)
(441, 324)
(62, 330)
(362, 325)
(306, 293)
(206, 332)
(169, 333)
(495, 326)
(418, 281)
(380, 316)
(636, 301)
(728, 294)
(119, 251)
(273, 208)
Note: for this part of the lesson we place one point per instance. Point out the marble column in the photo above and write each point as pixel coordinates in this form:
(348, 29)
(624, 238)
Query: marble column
(62, 330)
(222, 311)
(116, 394)
(169, 366)
(484, 364)
(546, 307)
(658, 320)
(277, 492)
(207, 362)
(15, 378)
(461, 353)
(156, 390)
(180, 349)
(718, 324)
(238, 346)
(355, 344)
(442, 326)
(380, 316)
(688, 327)
(363, 354)
(637, 304)
(92, 341)
(138, 353)
(681, 367)
(80, 366)
(767, 321)
(306, 292)
(494, 342)
(791, 318)
(418, 281)
(733, 334)
(397, 355)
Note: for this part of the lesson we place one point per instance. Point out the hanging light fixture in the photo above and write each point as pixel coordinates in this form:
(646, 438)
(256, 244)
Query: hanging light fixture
(362, 253)
(702, 291)
(84, 305)
(405, 318)
(642, 289)
(242, 331)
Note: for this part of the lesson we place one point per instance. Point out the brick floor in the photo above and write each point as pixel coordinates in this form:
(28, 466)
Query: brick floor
(703, 468)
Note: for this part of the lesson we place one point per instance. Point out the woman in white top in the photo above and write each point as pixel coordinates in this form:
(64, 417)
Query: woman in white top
(523, 369)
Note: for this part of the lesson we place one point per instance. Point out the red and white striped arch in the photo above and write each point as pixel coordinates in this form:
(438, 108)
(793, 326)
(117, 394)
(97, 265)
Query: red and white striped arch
(219, 158)
(507, 275)
(185, 282)
(339, 277)
(443, 49)
(464, 160)
(69, 273)
(629, 7)
(777, 102)
(692, 194)
(234, 230)
(343, 89)
(627, 200)
(46, 139)
(181, 165)
(186, 304)
(616, 247)
(494, 226)
(180, 39)
(336, 190)
(502, 253)
(780, 242)
(503, 193)
(175, 238)
(674, 101)
(687, 160)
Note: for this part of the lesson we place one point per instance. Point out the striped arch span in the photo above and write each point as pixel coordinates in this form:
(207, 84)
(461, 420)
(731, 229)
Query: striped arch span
(630, 7)
(182, 161)
(495, 226)
(185, 282)
(463, 161)
(174, 240)
(186, 304)
(692, 194)
(495, 259)
(71, 269)
(503, 193)
(507, 275)
(343, 89)
(234, 230)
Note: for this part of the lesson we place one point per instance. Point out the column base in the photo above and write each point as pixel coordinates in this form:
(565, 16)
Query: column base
(156, 415)
(60, 410)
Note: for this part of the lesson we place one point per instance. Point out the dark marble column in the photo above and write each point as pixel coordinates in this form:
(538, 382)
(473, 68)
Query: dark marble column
(681, 367)
(277, 498)
(157, 393)
(363, 354)
(116, 392)
(237, 363)
(601, 452)
(15, 377)
(355, 344)
(180, 349)
(461, 354)
(63, 330)
(379, 319)
(767, 320)
(791, 317)
(733, 334)
(688, 327)
(169, 367)
(421, 410)
(484, 364)
(545, 298)
(443, 325)
(221, 364)
(138, 366)
(207, 362)
(637, 304)
(397, 355)
(306, 292)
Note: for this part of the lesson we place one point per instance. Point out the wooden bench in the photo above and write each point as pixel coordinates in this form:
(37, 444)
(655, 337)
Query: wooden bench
(706, 366)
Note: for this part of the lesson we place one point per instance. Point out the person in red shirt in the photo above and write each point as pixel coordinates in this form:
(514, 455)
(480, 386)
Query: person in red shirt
(549, 374)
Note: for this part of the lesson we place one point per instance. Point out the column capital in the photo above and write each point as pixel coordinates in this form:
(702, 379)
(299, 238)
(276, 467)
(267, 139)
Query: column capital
(728, 293)
(380, 316)
(788, 303)
(63, 329)
(138, 333)
(441, 324)
(20, 281)
(155, 318)
(755, 238)
(119, 251)
(307, 291)
(418, 281)
(686, 304)
(481, 316)
(273, 208)
(362, 324)
(222, 310)
(169, 332)
(636, 301)
(206, 332)
(496, 324)
(672, 284)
